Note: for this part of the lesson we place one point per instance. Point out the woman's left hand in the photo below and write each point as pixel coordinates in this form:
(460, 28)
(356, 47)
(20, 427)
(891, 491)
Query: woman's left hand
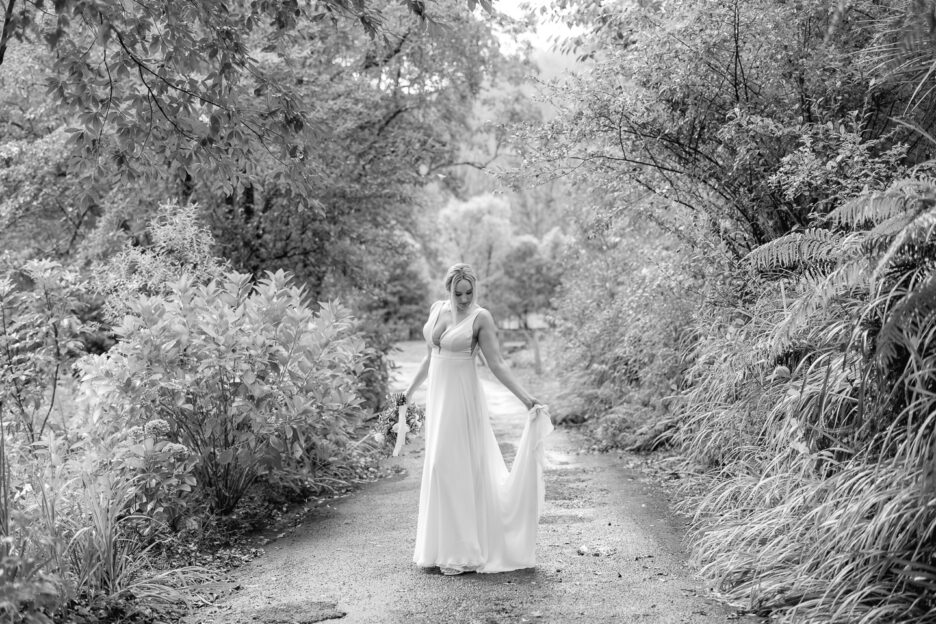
(530, 403)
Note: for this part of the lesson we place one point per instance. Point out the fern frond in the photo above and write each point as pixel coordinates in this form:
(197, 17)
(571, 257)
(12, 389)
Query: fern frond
(918, 231)
(912, 317)
(901, 197)
(796, 249)
(888, 228)
(915, 186)
(817, 295)
(869, 209)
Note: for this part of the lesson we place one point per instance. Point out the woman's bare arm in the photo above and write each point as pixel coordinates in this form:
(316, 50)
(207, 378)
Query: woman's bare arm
(490, 347)
(421, 375)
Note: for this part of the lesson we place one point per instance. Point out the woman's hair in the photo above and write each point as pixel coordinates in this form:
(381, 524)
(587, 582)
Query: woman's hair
(458, 272)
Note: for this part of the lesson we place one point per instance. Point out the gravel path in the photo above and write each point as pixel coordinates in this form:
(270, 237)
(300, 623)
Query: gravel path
(609, 550)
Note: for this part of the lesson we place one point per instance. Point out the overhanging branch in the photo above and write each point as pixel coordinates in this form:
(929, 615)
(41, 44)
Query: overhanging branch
(7, 31)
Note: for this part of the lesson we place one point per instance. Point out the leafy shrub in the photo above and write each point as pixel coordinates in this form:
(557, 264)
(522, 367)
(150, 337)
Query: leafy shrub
(177, 246)
(75, 529)
(248, 378)
(164, 472)
(39, 339)
(621, 316)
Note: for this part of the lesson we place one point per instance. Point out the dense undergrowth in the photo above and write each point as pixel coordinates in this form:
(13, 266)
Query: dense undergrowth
(120, 471)
(621, 323)
(816, 416)
(804, 401)
(785, 150)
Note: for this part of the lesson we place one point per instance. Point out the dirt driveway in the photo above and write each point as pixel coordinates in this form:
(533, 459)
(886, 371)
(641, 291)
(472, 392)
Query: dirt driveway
(608, 551)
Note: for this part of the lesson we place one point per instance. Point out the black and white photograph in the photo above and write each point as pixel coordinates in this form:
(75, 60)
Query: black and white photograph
(468, 311)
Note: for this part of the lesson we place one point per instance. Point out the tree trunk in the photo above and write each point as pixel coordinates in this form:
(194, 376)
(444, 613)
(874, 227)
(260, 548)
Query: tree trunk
(534, 344)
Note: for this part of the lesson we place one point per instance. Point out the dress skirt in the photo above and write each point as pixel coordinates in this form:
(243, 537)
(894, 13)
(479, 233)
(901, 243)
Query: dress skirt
(474, 514)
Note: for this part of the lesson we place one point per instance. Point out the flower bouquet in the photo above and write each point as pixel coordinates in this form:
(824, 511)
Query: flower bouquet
(397, 420)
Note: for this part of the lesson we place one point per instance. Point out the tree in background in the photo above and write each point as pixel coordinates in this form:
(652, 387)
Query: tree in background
(696, 104)
(383, 117)
(305, 138)
(530, 274)
(399, 304)
(476, 231)
(527, 283)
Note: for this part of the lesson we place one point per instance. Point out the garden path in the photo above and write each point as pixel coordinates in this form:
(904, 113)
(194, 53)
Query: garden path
(609, 550)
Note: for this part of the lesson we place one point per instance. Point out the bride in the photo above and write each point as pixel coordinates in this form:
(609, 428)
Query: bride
(474, 515)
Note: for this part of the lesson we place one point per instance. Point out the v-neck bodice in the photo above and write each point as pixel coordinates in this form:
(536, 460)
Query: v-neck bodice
(457, 340)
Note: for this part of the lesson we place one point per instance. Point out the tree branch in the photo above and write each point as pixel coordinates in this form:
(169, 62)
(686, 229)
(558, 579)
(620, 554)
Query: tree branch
(152, 97)
(142, 66)
(7, 31)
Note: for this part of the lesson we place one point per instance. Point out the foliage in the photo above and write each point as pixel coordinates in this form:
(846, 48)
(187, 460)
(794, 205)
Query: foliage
(250, 379)
(40, 339)
(178, 246)
(622, 312)
(26, 591)
(372, 115)
(476, 231)
(64, 501)
(530, 276)
(390, 310)
(816, 409)
(380, 116)
(787, 145)
(900, 54)
(86, 496)
(398, 304)
(699, 105)
(35, 194)
(74, 531)
(141, 78)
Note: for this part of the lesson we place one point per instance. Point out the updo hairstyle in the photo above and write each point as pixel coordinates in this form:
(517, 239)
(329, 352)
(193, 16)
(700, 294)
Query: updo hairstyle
(458, 272)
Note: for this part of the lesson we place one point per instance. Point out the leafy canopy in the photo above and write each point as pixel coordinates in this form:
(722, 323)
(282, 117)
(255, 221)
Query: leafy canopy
(146, 80)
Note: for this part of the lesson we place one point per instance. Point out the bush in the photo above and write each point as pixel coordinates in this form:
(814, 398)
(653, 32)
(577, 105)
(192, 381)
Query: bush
(60, 534)
(27, 592)
(622, 316)
(39, 339)
(249, 380)
(178, 247)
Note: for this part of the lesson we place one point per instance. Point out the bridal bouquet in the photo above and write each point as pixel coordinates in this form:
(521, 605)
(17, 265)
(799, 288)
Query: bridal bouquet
(397, 420)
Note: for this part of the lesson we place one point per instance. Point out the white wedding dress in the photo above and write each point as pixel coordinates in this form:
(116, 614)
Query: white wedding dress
(473, 513)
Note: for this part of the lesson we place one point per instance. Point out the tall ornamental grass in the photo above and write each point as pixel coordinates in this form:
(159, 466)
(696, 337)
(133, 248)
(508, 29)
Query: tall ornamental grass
(813, 406)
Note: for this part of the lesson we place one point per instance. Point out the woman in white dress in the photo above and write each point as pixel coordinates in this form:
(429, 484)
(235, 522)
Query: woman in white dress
(474, 514)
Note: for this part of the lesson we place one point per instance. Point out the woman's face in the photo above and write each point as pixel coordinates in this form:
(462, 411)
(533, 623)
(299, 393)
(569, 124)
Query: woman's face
(463, 294)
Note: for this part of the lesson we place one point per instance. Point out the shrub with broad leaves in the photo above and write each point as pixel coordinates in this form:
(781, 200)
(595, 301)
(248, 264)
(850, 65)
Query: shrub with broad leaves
(250, 380)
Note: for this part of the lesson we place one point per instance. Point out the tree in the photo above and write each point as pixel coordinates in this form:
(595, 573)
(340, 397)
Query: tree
(399, 303)
(378, 115)
(383, 117)
(695, 104)
(147, 81)
(476, 231)
(528, 282)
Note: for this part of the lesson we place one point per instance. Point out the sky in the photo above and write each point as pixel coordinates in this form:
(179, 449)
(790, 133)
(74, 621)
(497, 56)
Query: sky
(545, 29)
(552, 62)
